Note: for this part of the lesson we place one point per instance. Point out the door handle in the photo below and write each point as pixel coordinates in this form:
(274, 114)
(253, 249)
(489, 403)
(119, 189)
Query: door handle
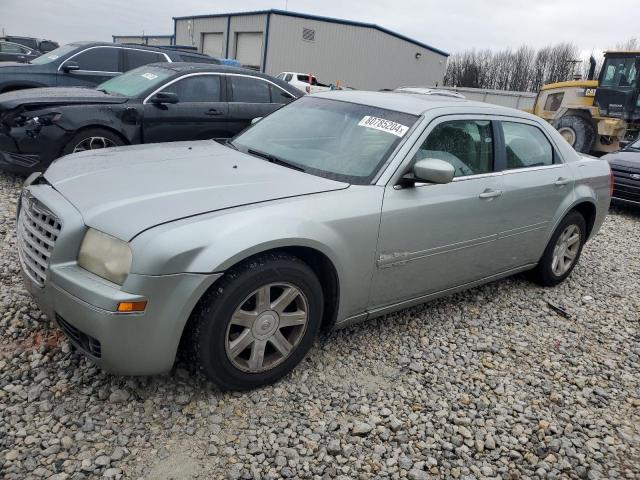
(488, 194)
(561, 182)
(213, 111)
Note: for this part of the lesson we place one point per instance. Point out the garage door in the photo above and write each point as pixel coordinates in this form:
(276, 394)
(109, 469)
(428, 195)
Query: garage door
(212, 44)
(249, 48)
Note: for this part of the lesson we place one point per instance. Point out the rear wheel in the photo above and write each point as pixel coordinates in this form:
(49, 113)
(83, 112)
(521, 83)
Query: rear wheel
(563, 251)
(578, 132)
(92, 139)
(257, 323)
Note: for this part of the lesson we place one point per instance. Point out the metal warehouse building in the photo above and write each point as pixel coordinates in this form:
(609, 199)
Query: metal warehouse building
(360, 55)
(159, 40)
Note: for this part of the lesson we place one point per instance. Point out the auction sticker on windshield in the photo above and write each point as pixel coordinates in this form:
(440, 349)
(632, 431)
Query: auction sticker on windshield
(149, 76)
(383, 125)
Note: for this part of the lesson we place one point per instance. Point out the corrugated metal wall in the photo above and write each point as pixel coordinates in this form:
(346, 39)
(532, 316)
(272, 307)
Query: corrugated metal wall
(363, 58)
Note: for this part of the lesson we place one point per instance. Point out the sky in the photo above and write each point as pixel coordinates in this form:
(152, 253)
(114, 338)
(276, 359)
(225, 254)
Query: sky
(451, 25)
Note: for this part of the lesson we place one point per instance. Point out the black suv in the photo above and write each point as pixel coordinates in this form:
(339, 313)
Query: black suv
(86, 64)
(32, 43)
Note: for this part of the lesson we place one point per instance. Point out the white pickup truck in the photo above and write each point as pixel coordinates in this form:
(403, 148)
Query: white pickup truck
(303, 81)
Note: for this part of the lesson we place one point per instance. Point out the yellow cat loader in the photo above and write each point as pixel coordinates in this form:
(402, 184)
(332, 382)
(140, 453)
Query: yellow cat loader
(596, 115)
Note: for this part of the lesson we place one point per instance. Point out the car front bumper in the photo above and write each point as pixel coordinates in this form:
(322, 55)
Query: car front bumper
(24, 153)
(85, 305)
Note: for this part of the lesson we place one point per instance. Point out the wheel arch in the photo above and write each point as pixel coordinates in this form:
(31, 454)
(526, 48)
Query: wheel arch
(101, 126)
(588, 211)
(318, 261)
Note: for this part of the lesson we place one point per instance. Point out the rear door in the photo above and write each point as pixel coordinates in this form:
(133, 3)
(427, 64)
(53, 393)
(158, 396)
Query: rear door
(200, 114)
(252, 97)
(537, 184)
(97, 64)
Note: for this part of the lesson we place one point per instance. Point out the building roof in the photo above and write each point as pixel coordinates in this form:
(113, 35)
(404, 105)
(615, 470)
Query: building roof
(287, 13)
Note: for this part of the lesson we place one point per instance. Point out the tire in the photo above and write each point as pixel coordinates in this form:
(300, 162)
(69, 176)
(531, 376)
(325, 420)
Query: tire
(214, 342)
(104, 138)
(578, 131)
(549, 273)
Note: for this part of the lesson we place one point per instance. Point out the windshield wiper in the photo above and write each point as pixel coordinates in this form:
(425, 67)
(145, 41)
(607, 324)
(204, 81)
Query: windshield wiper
(229, 143)
(103, 91)
(274, 159)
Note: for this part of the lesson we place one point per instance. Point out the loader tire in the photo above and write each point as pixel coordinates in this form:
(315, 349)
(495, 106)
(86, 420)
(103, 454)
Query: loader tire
(578, 132)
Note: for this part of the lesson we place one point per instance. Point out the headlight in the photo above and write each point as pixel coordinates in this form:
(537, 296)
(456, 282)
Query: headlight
(106, 256)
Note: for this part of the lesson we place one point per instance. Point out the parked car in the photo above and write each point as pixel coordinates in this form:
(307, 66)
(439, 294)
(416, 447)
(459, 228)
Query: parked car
(161, 102)
(625, 166)
(429, 91)
(13, 52)
(339, 207)
(35, 44)
(304, 82)
(86, 64)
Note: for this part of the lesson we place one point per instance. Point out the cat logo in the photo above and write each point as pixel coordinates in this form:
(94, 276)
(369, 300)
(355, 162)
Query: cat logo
(590, 92)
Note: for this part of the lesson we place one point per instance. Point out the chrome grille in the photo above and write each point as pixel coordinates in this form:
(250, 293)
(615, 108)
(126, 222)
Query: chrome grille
(38, 230)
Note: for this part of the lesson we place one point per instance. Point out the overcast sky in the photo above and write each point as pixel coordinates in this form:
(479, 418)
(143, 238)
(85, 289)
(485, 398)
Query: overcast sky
(451, 25)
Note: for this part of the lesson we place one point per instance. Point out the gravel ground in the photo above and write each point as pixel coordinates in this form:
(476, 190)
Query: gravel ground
(488, 383)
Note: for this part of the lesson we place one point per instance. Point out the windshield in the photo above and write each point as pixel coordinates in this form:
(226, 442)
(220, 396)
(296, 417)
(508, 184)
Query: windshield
(619, 72)
(54, 55)
(635, 145)
(135, 82)
(333, 139)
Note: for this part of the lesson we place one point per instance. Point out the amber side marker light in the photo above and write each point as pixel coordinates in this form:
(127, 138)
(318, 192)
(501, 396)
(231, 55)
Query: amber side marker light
(132, 306)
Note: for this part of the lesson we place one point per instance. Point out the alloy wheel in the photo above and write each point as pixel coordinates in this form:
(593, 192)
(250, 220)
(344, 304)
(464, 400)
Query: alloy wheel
(266, 327)
(566, 250)
(93, 143)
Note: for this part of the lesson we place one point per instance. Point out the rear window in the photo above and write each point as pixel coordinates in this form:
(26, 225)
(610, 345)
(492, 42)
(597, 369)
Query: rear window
(199, 59)
(305, 79)
(526, 146)
(138, 58)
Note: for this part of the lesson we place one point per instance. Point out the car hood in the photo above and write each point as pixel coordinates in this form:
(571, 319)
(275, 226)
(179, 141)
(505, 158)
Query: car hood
(56, 96)
(126, 190)
(627, 159)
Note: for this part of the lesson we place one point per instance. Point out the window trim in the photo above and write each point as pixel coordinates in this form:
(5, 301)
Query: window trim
(557, 160)
(120, 57)
(222, 74)
(20, 47)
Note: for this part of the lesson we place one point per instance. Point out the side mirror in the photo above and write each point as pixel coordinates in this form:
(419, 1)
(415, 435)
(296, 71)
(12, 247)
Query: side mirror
(432, 170)
(161, 98)
(255, 120)
(70, 67)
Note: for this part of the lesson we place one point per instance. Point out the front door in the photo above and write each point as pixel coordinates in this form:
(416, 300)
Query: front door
(96, 65)
(435, 237)
(200, 114)
(536, 186)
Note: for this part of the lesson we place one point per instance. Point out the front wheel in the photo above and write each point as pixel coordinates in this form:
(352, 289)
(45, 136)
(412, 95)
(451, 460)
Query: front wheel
(257, 323)
(562, 252)
(578, 132)
(92, 139)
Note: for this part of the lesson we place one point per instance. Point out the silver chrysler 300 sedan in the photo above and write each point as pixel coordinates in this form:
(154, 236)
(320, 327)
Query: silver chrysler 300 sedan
(339, 207)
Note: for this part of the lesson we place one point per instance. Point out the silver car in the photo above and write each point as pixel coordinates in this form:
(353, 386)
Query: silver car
(340, 207)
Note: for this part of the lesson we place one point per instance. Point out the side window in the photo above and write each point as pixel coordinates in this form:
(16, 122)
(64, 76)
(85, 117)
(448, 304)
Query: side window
(288, 77)
(12, 48)
(526, 146)
(138, 58)
(200, 88)
(280, 76)
(279, 96)
(465, 144)
(99, 59)
(250, 90)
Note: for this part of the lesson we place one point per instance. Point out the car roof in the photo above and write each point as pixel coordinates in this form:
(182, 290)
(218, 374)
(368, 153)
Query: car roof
(152, 48)
(415, 103)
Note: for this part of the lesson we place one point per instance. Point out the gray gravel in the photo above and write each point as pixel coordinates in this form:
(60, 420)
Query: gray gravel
(488, 383)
